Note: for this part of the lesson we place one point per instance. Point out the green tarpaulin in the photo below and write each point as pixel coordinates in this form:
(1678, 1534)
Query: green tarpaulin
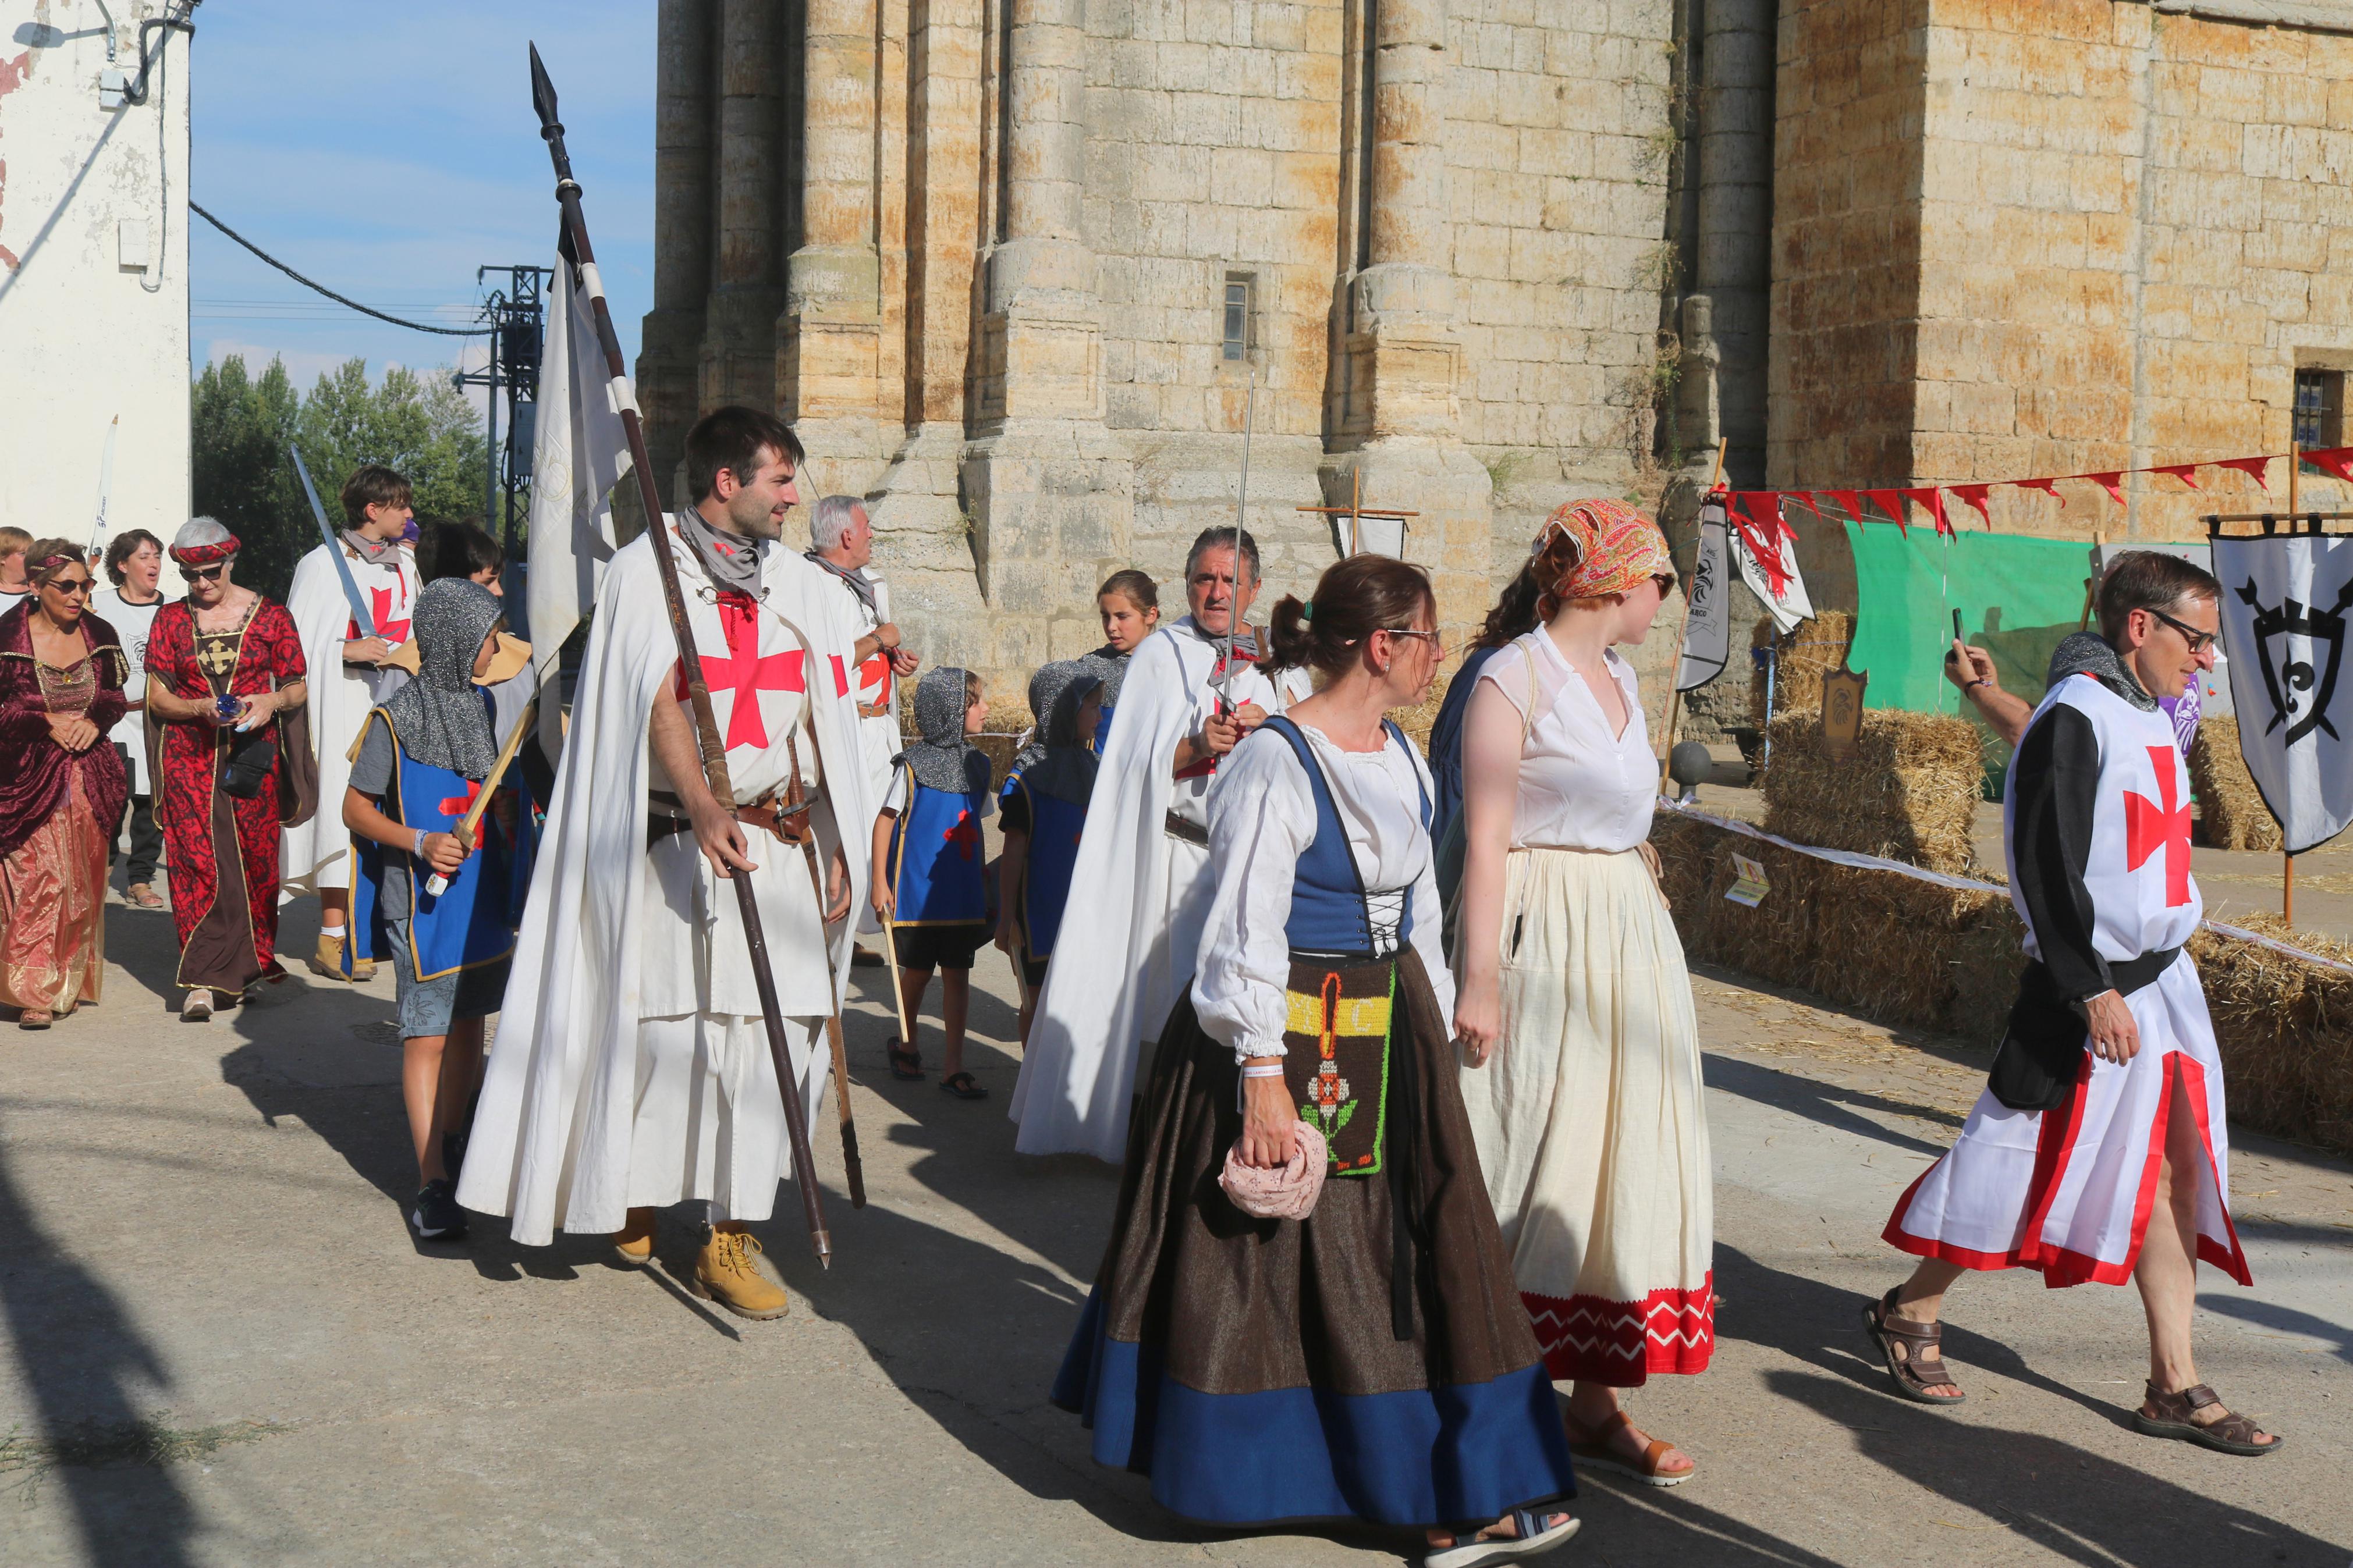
(2017, 597)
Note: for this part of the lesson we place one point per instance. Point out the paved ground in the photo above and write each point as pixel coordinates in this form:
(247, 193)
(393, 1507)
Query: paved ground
(221, 1347)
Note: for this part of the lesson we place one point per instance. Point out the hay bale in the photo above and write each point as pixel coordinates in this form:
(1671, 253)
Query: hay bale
(1810, 652)
(2286, 1031)
(1910, 792)
(1899, 951)
(2228, 801)
(1418, 720)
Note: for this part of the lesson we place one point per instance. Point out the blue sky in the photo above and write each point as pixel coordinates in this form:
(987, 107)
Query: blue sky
(389, 149)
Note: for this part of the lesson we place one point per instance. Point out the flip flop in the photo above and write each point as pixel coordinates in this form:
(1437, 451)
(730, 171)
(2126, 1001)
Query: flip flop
(907, 1067)
(961, 1086)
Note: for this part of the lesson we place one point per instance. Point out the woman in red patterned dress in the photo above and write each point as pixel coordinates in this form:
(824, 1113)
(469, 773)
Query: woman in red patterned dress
(61, 673)
(225, 718)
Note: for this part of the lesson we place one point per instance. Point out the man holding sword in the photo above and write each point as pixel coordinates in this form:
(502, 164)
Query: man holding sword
(351, 598)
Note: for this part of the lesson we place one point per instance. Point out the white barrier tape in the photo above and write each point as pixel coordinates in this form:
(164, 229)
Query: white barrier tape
(1964, 884)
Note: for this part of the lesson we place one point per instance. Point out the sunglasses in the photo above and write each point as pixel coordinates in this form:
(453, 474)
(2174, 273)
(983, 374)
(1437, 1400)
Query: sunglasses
(203, 573)
(2198, 641)
(69, 584)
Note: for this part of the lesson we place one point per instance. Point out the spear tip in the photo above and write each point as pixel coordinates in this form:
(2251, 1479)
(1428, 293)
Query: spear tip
(543, 91)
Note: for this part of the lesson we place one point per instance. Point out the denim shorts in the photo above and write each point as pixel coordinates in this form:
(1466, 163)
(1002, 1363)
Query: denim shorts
(430, 1007)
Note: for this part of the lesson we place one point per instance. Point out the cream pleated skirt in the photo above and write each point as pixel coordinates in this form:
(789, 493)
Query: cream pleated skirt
(1590, 1121)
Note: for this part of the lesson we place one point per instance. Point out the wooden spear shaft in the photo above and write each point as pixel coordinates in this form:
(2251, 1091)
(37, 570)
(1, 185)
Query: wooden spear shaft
(1675, 670)
(706, 724)
(2287, 861)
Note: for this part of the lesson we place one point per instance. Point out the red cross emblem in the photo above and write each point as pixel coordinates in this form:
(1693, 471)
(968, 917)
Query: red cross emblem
(874, 676)
(2150, 826)
(964, 834)
(745, 672)
(456, 807)
(392, 631)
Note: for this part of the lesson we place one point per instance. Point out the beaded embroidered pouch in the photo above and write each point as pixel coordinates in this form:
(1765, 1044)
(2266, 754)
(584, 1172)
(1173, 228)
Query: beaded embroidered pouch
(1336, 1060)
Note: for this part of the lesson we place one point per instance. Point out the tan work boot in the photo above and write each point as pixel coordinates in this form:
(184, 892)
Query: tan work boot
(633, 1243)
(328, 961)
(728, 1272)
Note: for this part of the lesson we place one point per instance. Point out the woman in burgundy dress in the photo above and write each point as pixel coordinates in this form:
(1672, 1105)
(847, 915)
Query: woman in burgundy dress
(61, 675)
(225, 719)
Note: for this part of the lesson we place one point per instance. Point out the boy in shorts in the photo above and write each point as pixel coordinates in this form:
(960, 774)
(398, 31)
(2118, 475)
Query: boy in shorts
(930, 889)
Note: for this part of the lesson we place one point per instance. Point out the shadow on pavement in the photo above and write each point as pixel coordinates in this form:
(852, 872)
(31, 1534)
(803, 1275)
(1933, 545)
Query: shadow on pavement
(2077, 1505)
(2285, 1319)
(86, 1367)
(1824, 1102)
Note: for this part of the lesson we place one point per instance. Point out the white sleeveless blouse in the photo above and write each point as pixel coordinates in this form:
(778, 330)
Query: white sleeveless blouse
(1581, 787)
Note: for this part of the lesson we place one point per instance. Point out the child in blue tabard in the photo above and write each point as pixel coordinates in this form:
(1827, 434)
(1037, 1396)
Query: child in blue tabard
(1041, 810)
(421, 760)
(931, 891)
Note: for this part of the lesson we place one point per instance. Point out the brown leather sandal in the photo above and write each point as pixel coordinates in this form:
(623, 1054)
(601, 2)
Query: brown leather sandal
(1922, 1365)
(2164, 1414)
(1593, 1448)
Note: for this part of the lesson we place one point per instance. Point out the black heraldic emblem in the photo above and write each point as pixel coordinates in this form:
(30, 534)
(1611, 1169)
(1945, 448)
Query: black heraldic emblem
(2289, 681)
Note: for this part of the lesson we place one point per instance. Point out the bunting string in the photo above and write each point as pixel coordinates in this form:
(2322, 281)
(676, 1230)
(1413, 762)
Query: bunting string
(1757, 513)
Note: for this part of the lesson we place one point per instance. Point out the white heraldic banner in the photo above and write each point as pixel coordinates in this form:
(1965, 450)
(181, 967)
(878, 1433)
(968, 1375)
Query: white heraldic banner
(2285, 602)
(1707, 623)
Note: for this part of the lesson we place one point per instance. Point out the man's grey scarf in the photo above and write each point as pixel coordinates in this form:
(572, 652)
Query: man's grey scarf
(855, 578)
(733, 559)
(2084, 653)
(374, 552)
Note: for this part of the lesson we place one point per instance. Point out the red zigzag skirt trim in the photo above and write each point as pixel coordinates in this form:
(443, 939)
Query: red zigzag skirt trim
(1619, 1344)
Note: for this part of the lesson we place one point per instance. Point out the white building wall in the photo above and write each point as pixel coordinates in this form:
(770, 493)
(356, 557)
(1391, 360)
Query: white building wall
(85, 333)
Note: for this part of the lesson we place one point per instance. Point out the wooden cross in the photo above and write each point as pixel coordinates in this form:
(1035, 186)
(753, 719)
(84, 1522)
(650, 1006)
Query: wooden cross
(1355, 511)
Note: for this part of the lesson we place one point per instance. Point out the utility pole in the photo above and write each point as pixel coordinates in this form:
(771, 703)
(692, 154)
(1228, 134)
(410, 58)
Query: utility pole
(518, 317)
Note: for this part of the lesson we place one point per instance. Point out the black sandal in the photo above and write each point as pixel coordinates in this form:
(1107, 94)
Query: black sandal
(2164, 1414)
(1922, 1365)
(961, 1086)
(906, 1066)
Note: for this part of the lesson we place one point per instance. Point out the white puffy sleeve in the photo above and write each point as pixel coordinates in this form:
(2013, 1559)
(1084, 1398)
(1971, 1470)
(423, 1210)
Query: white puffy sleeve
(1429, 914)
(1261, 820)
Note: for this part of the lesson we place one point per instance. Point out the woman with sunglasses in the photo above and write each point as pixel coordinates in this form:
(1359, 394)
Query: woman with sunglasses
(62, 678)
(1580, 1040)
(233, 765)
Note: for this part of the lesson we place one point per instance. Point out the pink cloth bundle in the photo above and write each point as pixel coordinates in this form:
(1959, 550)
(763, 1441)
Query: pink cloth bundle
(1288, 1192)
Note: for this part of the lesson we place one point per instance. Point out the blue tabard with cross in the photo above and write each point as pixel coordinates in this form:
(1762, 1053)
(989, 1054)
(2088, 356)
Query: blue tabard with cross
(472, 922)
(1054, 827)
(935, 858)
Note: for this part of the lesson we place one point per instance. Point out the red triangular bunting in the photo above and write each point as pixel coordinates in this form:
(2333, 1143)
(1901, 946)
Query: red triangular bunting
(2048, 487)
(2113, 481)
(1851, 502)
(2253, 467)
(1758, 517)
(2336, 460)
(1931, 502)
(2186, 472)
(1975, 495)
(1891, 503)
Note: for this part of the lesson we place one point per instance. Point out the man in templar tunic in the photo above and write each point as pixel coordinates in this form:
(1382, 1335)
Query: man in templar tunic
(631, 1069)
(841, 540)
(351, 672)
(1140, 891)
(2099, 1149)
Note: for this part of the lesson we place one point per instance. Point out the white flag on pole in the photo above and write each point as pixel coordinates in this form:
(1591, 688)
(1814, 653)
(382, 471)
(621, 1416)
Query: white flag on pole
(1768, 549)
(2288, 600)
(579, 452)
(1707, 622)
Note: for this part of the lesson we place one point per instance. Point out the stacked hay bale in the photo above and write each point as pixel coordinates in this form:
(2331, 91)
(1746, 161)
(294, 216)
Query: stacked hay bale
(1811, 651)
(2233, 809)
(1909, 793)
(1900, 950)
(2285, 1029)
(1419, 720)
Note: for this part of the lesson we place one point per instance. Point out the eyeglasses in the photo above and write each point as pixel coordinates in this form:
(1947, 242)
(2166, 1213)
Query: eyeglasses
(2198, 641)
(203, 573)
(1437, 645)
(71, 585)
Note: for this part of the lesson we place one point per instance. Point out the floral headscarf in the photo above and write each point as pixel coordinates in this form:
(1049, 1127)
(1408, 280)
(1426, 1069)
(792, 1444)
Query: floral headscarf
(1617, 547)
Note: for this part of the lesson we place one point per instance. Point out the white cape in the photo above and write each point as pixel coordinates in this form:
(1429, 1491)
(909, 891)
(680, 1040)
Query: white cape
(1125, 954)
(552, 1138)
(318, 853)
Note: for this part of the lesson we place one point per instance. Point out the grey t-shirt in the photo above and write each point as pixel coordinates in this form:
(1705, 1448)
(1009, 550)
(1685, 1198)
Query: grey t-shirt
(371, 774)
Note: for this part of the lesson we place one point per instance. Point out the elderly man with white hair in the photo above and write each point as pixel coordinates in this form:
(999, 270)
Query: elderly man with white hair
(842, 541)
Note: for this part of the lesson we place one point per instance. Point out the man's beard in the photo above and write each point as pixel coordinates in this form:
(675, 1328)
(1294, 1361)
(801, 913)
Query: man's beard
(754, 519)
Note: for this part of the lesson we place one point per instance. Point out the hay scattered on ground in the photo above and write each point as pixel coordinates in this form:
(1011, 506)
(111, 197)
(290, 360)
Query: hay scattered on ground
(2286, 1030)
(2234, 811)
(1909, 793)
(1907, 953)
(1811, 651)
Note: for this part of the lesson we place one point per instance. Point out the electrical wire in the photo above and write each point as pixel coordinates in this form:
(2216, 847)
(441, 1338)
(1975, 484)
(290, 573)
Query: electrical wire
(330, 293)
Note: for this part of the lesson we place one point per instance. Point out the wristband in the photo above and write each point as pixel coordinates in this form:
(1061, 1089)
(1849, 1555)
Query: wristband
(1973, 685)
(1272, 1069)
(419, 850)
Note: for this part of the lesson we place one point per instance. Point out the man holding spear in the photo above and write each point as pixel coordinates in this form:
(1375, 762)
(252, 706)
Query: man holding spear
(685, 942)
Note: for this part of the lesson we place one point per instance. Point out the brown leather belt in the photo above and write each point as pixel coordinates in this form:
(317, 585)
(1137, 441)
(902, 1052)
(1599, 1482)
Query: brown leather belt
(1186, 828)
(788, 822)
(874, 710)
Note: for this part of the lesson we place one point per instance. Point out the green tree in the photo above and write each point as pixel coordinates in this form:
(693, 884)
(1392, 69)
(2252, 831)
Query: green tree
(415, 422)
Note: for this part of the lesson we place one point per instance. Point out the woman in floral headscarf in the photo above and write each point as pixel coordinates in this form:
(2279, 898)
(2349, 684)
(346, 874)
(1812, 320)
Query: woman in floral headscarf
(1575, 1014)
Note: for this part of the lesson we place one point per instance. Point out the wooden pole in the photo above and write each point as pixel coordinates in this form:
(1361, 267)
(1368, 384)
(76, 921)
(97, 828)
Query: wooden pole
(2092, 582)
(2287, 861)
(1675, 669)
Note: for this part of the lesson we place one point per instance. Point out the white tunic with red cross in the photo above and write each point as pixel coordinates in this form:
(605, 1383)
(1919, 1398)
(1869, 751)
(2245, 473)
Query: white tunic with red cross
(2068, 1191)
